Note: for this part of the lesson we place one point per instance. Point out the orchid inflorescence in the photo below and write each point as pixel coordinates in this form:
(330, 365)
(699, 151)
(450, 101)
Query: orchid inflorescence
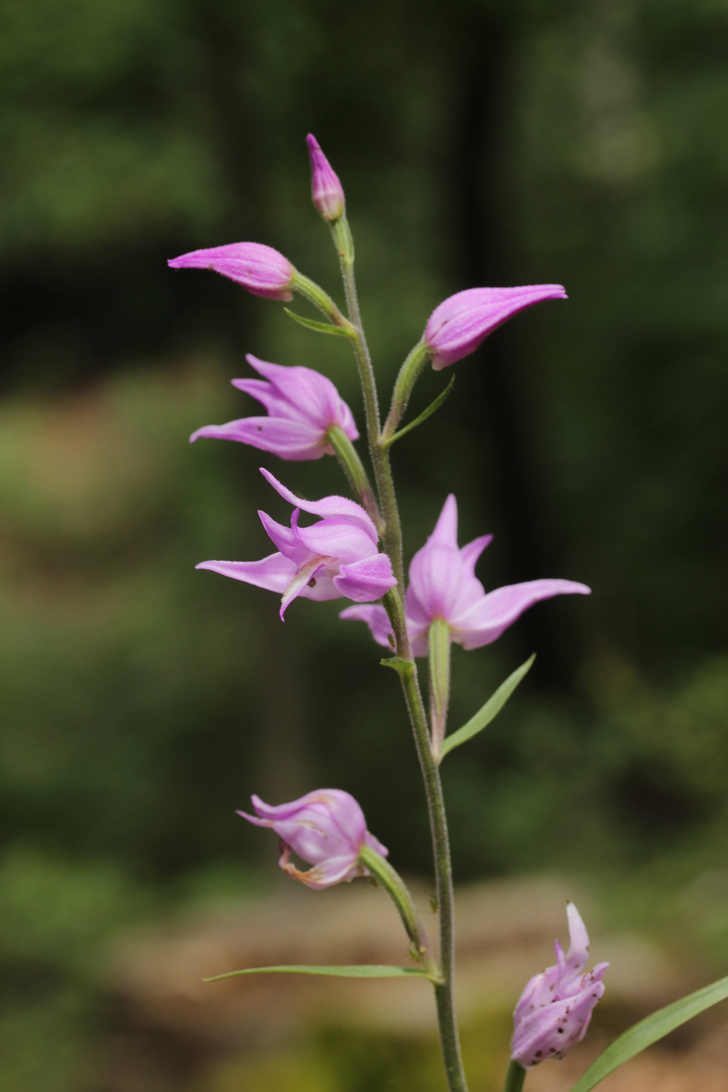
(353, 550)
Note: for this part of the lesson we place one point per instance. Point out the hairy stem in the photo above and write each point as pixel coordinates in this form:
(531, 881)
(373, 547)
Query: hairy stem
(353, 467)
(392, 533)
(445, 896)
(405, 665)
(395, 886)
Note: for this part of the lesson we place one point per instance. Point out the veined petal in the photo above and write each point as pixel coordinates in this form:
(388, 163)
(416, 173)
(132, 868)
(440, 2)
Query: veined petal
(472, 551)
(329, 872)
(327, 506)
(376, 617)
(578, 954)
(366, 580)
(274, 572)
(446, 528)
(275, 404)
(292, 440)
(495, 612)
(436, 576)
(339, 538)
(286, 538)
(314, 396)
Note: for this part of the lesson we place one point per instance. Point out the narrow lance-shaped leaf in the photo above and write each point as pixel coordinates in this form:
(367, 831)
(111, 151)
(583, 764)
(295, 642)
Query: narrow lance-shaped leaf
(648, 1031)
(322, 327)
(491, 708)
(364, 970)
(435, 405)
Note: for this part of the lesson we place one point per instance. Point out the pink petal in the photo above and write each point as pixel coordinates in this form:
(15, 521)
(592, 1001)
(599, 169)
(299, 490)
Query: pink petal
(495, 612)
(259, 268)
(327, 506)
(376, 618)
(313, 395)
(446, 528)
(292, 440)
(274, 572)
(367, 580)
(473, 550)
(461, 322)
(338, 538)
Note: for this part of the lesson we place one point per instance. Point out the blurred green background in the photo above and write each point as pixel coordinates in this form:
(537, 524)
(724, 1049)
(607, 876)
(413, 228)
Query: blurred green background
(497, 143)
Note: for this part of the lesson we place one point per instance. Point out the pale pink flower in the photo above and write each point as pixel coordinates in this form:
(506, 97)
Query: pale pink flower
(443, 585)
(326, 828)
(302, 406)
(555, 1008)
(334, 558)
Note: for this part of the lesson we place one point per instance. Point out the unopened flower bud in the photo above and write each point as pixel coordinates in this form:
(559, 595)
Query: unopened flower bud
(326, 190)
(259, 268)
(556, 1006)
(458, 326)
(326, 828)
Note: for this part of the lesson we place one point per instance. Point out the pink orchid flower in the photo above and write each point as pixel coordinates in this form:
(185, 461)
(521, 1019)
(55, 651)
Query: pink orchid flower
(442, 584)
(336, 557)
(555, 1008)
(257, 267)
(326, 828)
(460, 323)
(302, 406)
(326, 189)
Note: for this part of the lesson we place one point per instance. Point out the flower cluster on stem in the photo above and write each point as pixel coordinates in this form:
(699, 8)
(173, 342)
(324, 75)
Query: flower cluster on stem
(354, 551)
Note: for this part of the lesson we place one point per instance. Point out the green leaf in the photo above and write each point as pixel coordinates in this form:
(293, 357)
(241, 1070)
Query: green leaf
(402, 666)
(649, 1030)
(492, 707)
(322, 327)
(422, 417)
(364, 970)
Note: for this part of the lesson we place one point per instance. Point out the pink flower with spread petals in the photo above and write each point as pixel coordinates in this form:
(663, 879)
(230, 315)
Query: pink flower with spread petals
(458, 326)
(326, 190)
(326, 828)
(443, 585)
(302, 406)
(335, 557)
(555, 1008)
(259, 268)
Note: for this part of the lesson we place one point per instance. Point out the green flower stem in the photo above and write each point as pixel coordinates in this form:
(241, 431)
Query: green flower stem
(443, 871)
(409, 373)
(392, 533)
(440, 646)
(354, 469)
(320, 299)
(392, 542)
(515, 1077)
(395, 886)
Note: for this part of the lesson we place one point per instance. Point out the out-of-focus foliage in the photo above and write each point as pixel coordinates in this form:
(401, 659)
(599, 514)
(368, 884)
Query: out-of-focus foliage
(142, 702)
